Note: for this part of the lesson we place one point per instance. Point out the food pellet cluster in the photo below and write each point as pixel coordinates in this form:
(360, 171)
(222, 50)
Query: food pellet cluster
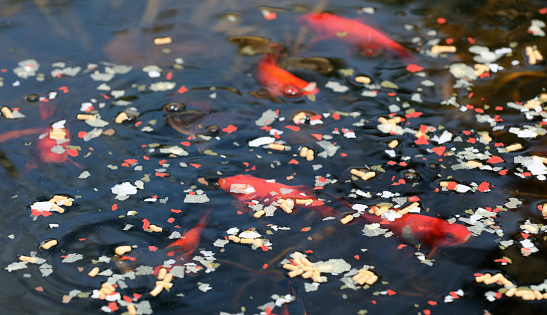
(302, 266)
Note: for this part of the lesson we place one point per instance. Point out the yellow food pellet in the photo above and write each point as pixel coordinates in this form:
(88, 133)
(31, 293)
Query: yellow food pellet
(57, 134)
(121, 118)
(532, 104)
(316, 276)
(393, 143)
(6, 111)
(493, 279)
(276, 146)
(363, 79)
(258, 242)
(372, 280)
(108, 288)
(131, 309)
(29, 259)
(511, 292)
(93, 272)
(120, 250)
(438, 49)
(310, 155)
(163, 40)
(234, 238)
(102, 295)
(298, 117)
(49, 244)
(290, 267)
(259, 213)
(161, 273)
(483, 277)
(514, 147)
(157, 290)
(304, 151)
(346, 219)
(86, 117)
(538, 295)
(474, 164)
(307, 274)
(246, 240)
(295, 273)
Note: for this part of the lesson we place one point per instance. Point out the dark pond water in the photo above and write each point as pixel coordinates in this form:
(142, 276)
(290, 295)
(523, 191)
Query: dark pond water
(454, 115)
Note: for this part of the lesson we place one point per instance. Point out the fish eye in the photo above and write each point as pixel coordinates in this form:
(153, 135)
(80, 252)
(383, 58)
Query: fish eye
(450, 236)
(212, 130)
(292, 91)
(411, 177)
(174, 107)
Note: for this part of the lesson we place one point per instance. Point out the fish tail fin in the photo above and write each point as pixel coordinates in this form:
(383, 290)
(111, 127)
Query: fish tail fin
(204, 217)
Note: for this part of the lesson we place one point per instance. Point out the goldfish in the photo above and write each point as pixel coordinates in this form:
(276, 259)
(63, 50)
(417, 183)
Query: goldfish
(414, 229)
(189, 241)
(248, 188)
(366, 38)
(53, 143)
(280, 82)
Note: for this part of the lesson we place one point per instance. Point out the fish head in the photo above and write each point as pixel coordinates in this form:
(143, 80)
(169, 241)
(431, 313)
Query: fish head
(454, 234)
(317, 22)
(193, 123)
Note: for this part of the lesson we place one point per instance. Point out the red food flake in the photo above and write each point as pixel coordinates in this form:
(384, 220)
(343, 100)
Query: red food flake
(176, 210)
(499, 144)
(467, 132)
(182, 90)
(485, 75)
(152, 248)
(441, 20)
(138, 123)
(322, 179)
(336, 116)
(72, 152)
(265, 266)
(478, 274)
(343, 154)
(230, 129)
(146, 224)
(161, 162)
(293, 161)
(471, 140)
(502, 260)
(82, 134)
(414, 115)
(317, 136)
(130, 161)
(525, 235)
(305, 229)
(195, 165)
(309, 251)
(427, 312)
(356, 257)
(127, 298)
(422, 140)
(170, 254)
(293, 128)
(270, 15)
(145, 157)
(390, 292)
(541, 11)
(113, 306)
(160, 174)
(171, 220)
(526, 174)
(37, 213)
(495, 159)
(498, 295)
(439, 150)
(451, 185)
(414, 199)
(483, 187)
(267, 128)
(136, 296)
(114, 207)
(401, 246)
(268, 310)
(414, 68)
(433, 303)
(169, 75)
(264, 248)
(454, 295)
(373, 301)
(470, 40)
(391, 162)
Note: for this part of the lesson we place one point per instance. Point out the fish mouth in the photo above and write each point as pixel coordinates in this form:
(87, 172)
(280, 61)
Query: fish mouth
(213, 182)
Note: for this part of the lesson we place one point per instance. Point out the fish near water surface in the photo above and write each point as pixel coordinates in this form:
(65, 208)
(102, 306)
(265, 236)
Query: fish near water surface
(189, 241)
(366, 38)
(280, 82)
(247, 188)
(52, 145)
(414, 229)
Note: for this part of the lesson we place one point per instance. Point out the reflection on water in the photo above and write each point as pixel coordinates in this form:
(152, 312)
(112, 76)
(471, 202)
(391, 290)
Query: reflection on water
(455, 133)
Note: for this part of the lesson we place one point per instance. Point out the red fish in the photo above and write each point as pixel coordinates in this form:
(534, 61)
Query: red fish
(366, 38)
(189, 242)
(416, 229)
(52, 145)
(248, 188)
(280, 82)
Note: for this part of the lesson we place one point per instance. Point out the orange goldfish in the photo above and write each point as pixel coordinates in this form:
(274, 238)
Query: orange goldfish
(52, 145)
(416, 229)
(189, 242)
(366, 38)
(248, 188)
(280, 82)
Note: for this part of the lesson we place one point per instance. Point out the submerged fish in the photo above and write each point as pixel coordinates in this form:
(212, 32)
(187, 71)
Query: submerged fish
(367, 39)
(248, 188)
(52, 145)
(280, 82)
(189, 241)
